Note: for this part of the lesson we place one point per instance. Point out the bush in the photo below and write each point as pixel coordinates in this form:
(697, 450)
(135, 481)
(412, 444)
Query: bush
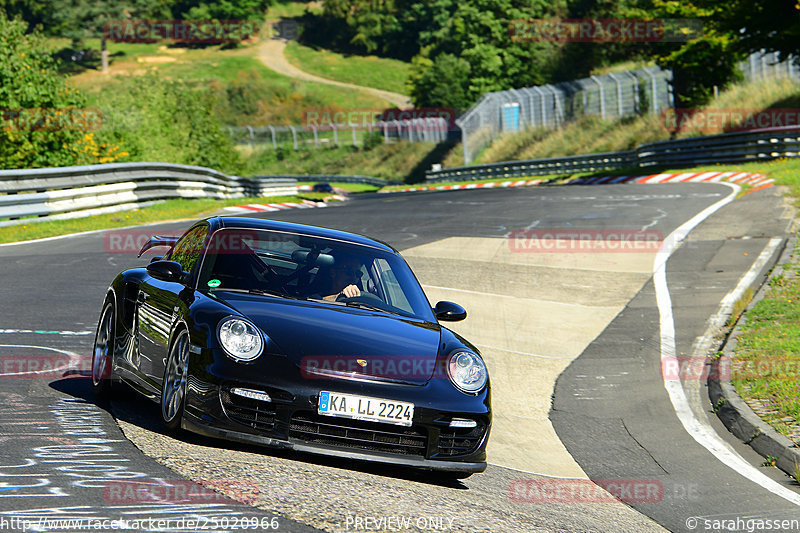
(166, 120)
(44, 123)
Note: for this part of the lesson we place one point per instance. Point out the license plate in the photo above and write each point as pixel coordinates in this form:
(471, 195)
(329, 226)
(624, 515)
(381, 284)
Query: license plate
(365, 408)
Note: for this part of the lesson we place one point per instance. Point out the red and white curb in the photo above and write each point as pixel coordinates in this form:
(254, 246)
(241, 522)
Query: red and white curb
(262, 208)
(758, 181)
(482, 185)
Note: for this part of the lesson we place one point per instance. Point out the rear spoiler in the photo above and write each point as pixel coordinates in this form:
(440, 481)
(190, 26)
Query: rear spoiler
(158, 240)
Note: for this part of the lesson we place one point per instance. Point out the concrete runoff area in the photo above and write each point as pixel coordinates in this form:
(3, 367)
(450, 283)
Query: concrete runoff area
(528, 333)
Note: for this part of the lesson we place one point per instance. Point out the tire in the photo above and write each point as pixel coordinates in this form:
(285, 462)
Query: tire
(173, 388)
(103, 352)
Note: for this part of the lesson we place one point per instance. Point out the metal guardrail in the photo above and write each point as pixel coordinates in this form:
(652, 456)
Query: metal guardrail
(739, 147)
(72, 192)
(330, 178)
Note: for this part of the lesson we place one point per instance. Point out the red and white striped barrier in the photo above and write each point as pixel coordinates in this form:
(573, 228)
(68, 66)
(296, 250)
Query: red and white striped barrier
(758, 181)
(482, 185)
(262, 208)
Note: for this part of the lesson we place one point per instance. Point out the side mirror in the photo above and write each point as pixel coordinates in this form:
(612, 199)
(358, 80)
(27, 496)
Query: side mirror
(449, 312)
(166, 271)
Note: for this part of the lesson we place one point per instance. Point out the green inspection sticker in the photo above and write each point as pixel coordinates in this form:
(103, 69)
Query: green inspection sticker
(214, 283)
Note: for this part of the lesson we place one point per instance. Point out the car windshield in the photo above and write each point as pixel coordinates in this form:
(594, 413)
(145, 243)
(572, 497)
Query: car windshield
(308, 267)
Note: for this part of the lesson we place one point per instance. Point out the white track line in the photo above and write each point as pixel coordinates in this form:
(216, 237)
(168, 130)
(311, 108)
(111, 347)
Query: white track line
(528, 354)
(701, 432)
(74, 359)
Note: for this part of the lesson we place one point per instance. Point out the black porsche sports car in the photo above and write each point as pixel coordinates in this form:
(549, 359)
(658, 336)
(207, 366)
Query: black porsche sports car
(298, 337)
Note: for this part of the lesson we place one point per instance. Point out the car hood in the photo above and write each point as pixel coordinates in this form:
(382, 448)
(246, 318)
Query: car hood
(338, 341)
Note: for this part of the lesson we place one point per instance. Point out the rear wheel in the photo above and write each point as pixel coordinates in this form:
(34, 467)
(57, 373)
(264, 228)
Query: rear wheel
(102, 356)
(173, 390)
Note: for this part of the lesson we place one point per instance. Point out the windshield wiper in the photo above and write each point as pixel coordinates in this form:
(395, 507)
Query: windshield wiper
(270, 292)
(261, 292)
(371, 307)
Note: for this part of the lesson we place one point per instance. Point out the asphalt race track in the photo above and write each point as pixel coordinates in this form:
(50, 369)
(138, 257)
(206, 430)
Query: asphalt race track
(574, 342)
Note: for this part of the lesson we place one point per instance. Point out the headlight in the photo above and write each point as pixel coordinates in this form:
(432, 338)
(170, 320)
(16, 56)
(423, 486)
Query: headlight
(240, 339)
(467, 371)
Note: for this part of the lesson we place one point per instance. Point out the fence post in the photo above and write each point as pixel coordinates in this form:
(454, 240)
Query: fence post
(294, 136)
(556, 106)
(335, 135)
(542, 106)
(464, 141)
(252, 138)
(619, 94)
(530, 107)
(602, 97)
(274, 140)
(635, 88)
(653, 91)
(354, 133)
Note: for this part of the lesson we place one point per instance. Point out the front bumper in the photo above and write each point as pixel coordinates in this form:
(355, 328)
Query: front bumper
(290, 421)
(193, 424)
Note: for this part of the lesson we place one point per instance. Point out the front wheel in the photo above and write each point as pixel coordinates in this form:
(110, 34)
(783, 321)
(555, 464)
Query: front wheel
(102, 356)
(173, 391)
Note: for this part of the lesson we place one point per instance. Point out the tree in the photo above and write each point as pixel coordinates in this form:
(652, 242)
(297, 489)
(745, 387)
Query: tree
(166, 120)
(701, 63)
(771, 25)
(478, 33)
(43, 122)
(34, 12)
(81, 19)
(426, 82)
(220, 10)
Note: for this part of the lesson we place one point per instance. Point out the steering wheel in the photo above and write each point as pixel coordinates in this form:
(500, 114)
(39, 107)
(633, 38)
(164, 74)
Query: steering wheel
(364, 297)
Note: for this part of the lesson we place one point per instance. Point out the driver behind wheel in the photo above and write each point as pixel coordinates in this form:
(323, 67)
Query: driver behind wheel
(342, 279)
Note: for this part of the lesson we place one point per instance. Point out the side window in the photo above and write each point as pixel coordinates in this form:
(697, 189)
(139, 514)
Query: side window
(188, 249)
(394, 292)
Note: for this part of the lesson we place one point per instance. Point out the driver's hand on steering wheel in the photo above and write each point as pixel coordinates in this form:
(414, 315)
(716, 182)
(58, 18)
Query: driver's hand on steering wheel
(351, 291)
